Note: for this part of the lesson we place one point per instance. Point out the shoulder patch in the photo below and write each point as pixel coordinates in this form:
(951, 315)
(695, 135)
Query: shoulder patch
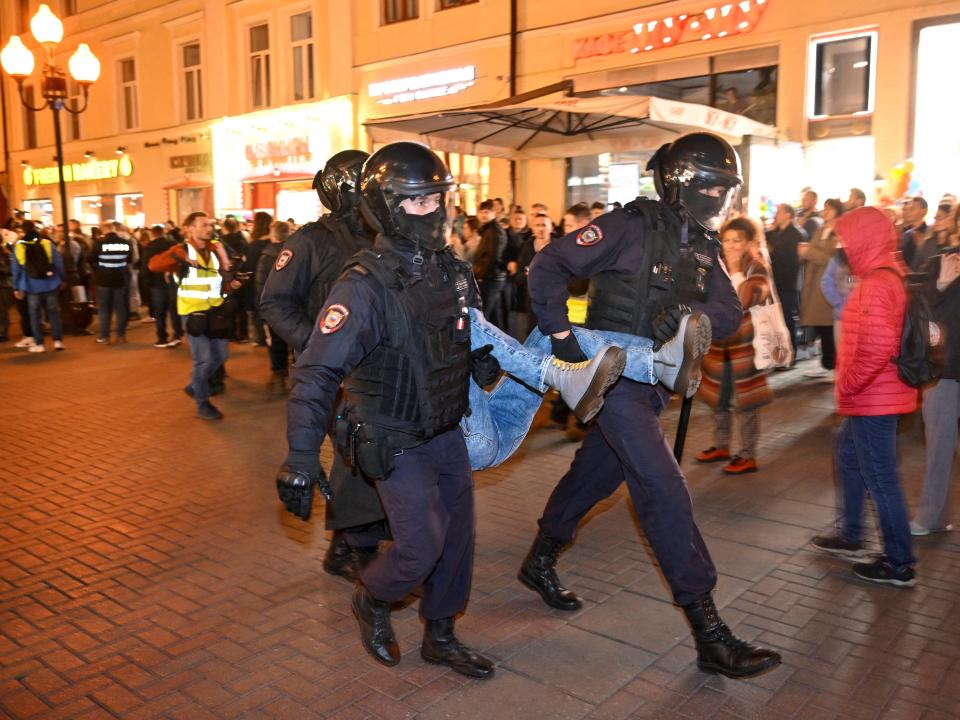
(590, 235)
(285, 256)
(334, 319)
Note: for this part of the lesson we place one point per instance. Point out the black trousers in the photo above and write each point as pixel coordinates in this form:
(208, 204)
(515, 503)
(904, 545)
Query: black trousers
(828, 350)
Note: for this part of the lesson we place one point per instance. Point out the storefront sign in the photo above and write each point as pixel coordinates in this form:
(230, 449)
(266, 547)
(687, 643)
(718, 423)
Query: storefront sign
(422, 87)
(191, 163)
(599, 45)
(278, 152)
(79, 172)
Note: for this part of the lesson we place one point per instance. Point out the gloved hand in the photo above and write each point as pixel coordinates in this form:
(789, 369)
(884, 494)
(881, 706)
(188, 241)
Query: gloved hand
(567, 349)
(484, 367)
(667, 323)
(295, 481)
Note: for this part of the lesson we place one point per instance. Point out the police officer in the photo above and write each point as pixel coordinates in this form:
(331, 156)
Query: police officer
(649, 264)
(396, 331)
(296, 289)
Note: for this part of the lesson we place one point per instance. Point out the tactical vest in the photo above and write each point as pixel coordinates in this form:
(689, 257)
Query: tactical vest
(347, 245)
(672, 273)
(414, 385)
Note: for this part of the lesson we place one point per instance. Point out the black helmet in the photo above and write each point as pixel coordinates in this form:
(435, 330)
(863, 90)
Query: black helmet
(699, 176)
(336, 184)
(399, 171)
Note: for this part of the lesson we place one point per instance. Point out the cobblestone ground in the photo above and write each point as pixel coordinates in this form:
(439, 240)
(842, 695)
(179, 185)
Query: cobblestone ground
(147, 571)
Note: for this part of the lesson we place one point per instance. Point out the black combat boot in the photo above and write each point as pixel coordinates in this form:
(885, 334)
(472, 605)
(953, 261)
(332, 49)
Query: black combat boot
(719, 650)
(538, 573)
(440, 647)
(376, 633)
(340, 558)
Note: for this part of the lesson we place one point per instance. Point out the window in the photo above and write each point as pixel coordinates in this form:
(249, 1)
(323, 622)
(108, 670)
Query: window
(74, 102)
(842, 72)
(447, 4)
(301, 40)
(260, 65)
(192, 81)
(29, 120)
(400, 10)
(129, 111)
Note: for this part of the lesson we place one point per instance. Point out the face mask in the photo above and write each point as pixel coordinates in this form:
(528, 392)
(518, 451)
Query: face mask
(425, 230)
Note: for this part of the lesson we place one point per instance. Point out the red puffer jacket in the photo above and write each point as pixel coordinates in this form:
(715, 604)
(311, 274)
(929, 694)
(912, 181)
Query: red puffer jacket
(872, 320)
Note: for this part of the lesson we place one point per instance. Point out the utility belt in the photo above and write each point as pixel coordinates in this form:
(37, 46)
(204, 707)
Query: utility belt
(214, 323)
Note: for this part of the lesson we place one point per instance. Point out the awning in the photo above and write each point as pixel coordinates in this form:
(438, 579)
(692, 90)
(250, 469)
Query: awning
(282, 176)
(549, 123)
(186, 183)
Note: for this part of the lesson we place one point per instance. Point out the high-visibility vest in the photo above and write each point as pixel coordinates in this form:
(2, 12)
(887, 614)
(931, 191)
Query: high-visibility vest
(200, 288)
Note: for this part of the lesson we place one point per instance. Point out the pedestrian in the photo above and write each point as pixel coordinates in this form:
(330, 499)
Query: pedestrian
(236, 245)
(144, 238)
(784, 240)
(37, 275)
(260, 238)
(871, 397)
(597, 209)
(6, 284)
(162, 288)
(917, 243)
(815, 311)
(490, 264)
(731, 381)
(111, 258)
(466, 248)
(856, 199)
(542, 233)
(649, 264)
(279, 351)
(836, 284)
(808, 216)
(406, 392)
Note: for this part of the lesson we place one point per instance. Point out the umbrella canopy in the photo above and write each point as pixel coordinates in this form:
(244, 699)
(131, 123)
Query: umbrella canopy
(548, 123)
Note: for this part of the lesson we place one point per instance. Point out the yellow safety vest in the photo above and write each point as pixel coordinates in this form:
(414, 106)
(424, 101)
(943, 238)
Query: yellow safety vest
(200, 288)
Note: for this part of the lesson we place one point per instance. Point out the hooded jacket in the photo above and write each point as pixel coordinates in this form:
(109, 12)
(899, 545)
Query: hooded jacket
(872, 320)
(21, 278)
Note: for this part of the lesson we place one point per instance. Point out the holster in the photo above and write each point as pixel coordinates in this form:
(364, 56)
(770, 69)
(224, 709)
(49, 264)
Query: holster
(362, 448)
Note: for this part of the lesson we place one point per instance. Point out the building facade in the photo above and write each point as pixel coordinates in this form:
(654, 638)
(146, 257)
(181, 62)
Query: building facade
(231, 106)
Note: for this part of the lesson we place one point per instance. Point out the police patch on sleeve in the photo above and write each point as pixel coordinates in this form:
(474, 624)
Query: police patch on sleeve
(334, 319)
(283, 258)
(590, 235)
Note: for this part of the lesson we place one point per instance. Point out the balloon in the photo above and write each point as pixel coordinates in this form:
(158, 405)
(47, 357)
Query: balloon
(908, 166)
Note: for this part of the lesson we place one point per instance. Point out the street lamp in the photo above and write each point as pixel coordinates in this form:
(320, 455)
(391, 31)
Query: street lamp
(18, 62)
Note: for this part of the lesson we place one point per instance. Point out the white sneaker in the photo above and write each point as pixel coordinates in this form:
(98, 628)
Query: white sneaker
(819, 372)
(919, 530)
(58, 345)
(37, 348)
(173, 343)
(26, 342)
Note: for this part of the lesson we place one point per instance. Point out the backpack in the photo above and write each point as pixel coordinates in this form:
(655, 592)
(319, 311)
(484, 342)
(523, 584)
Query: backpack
(37, 261)
(918, 363)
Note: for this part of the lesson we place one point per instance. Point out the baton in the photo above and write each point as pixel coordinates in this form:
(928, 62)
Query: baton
(682, 428)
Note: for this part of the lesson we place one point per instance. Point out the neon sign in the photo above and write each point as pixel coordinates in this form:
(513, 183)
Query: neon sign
(79, 172)
(423, 87)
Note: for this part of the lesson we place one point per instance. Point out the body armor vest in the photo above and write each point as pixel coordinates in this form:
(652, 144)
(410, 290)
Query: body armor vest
(347, 245)
(672, 273)
(414, 385)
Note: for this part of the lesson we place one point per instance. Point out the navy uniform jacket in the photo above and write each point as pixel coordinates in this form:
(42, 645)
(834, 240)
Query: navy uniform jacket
(301, 277)
(616, 244)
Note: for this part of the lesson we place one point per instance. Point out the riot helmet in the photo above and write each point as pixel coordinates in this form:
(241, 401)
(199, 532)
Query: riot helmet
(336, 184)
(402, 172)
(699, 176)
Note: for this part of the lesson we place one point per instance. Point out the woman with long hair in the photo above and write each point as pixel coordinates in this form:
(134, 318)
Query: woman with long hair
(279, 350)
(259, 239)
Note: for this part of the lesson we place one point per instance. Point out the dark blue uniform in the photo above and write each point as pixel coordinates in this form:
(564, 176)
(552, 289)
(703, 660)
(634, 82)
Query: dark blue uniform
(626, 443)
(428, 496)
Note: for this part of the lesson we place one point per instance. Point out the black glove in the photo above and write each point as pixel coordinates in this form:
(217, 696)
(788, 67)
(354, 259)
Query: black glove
(567, 349)
(295, 482)
(484, 366)
(667, 323)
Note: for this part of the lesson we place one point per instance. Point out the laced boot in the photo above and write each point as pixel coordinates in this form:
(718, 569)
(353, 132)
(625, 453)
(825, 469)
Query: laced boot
(376, 633)
(582, 385)
(440, 647)
(677, 362)
(340, 558)
(538, 573)
(719, 650)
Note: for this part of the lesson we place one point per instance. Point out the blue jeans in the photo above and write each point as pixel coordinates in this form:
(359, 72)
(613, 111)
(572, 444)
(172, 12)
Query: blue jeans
(51, 301)
(116, 301)
(866, 460)
(208, 355)
(499, 420)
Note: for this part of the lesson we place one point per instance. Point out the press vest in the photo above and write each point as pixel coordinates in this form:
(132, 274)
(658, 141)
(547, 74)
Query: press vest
(672, 273)
(199, 288)
(414, 385)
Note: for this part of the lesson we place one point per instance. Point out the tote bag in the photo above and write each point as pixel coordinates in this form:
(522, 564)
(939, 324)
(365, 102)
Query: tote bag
(771, 338)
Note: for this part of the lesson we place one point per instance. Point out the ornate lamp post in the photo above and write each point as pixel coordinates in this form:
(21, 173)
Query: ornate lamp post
(18, 62)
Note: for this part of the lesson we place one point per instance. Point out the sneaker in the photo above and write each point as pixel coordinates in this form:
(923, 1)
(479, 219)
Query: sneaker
(881, 571)
(148, 320)
(919, 530)
(173, 343)
(582, 385)
(835, 545)
(102, 340)
(819, 372)
(677, 362)
(36, 348)
(26, 342)
(740, 466)
(161, 344)
(58, 345)
(712, 454)
(207, 411)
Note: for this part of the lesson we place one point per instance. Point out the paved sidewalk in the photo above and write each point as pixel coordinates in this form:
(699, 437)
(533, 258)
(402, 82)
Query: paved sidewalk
(147, 571)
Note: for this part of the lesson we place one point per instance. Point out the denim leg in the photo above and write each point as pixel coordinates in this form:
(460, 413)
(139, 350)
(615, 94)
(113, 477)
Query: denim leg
(498, 421)
(121, 306)
(875, 439)
(480, 433)
(218, 355)
(201, 353)
(525, 362)
(36, 326)
(52, 301)
(941, 408)
(104, 302)
(639, 351)
(852, 487)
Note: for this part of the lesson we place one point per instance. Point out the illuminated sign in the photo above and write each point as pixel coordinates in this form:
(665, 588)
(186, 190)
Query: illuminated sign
(600, 45)
(79, 172)
(191, 163)
(278, 152)
(423, 87)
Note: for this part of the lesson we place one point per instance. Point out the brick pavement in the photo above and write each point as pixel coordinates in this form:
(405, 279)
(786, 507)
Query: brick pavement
(146, 571)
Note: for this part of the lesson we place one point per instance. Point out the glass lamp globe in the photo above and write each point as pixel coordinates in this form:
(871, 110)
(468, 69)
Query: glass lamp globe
(16, 59)
(46, 27)
(84, 66)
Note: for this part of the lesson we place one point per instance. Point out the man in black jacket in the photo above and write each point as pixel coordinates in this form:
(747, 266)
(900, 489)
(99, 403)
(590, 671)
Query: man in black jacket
(490, 264)
(111, 257)
(163, 290)
(783, 242)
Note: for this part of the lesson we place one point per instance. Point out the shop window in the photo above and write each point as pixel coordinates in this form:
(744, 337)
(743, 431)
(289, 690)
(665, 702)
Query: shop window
(260, 65)
(399, 10)
(75, 102)
(29, 120)
(129, 110)
(128, 209)
(301, 41)
(446, 4)
(39, 211)
(192, 82)
(842, 70)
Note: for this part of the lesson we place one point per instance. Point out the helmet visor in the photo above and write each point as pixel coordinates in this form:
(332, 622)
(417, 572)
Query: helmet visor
(708, 199)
